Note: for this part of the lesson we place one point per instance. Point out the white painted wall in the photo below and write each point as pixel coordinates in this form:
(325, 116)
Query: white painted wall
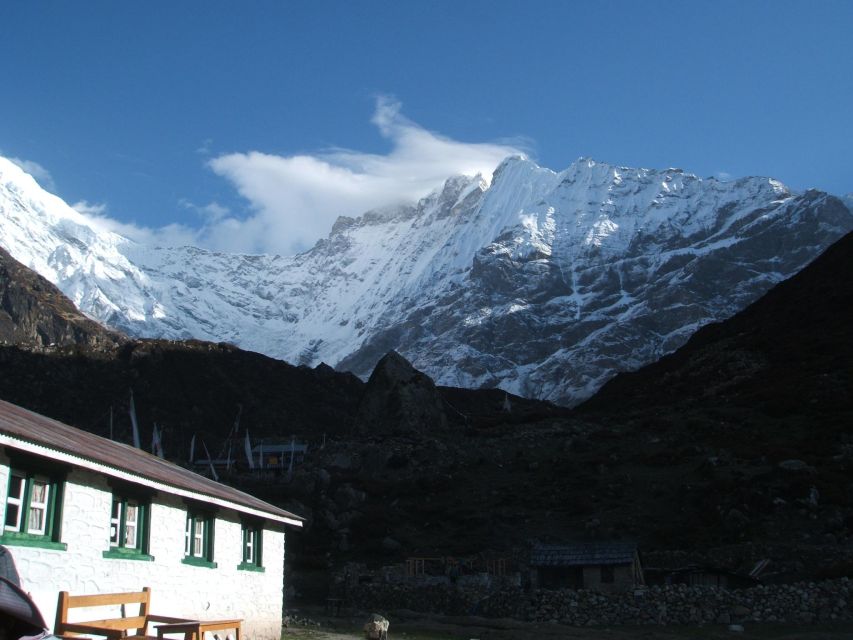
(177, 589)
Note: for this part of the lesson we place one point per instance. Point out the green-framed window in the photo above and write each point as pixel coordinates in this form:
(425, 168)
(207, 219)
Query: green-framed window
(199, 538)
(33, 514)
(253, 547)
(130, 524)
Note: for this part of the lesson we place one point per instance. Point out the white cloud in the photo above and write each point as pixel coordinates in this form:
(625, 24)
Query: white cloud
(172, 235)
(296, 199)
(37, 171)
(89, 208)
(204, 148)
(211, 212)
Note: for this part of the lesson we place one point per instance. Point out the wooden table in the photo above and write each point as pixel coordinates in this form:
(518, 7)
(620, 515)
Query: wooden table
(194, 629)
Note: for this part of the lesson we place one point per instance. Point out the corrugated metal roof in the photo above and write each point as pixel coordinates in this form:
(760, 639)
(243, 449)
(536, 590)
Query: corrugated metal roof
(583, 554)
(121, 460)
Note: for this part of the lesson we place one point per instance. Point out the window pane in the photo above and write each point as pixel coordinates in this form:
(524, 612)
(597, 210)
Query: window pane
(249, 550)
(188, 536)
(13, 517)
(39, 492)
(16, 487)
(14, 502)
(198, 538)
(131, 521)
(115, 522)
(37, 522)
(252, 545)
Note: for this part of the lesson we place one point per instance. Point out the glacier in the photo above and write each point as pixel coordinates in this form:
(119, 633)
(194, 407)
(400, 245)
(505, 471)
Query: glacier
(543, 283)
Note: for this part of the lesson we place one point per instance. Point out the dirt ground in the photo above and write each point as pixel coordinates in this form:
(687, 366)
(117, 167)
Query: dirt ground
(409, 626)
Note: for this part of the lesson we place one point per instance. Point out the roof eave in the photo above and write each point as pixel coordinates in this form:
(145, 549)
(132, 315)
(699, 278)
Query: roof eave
(63, 456)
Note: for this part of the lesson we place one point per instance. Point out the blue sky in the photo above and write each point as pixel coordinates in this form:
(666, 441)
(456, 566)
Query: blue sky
(257, 122)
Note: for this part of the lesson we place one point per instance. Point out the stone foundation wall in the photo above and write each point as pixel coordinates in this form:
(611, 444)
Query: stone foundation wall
(671, 604)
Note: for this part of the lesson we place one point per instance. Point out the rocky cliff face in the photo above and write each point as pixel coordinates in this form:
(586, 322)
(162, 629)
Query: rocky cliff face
(34, 314)
(542, 283)
(587, 272)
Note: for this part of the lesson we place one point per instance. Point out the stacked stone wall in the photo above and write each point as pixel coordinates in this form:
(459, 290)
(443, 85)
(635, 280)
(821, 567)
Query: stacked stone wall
(805, 602)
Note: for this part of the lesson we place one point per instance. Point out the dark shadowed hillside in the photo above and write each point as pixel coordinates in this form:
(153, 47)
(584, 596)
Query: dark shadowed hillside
(35, 314)
(750, 421)
(787, 356)
(185, 387)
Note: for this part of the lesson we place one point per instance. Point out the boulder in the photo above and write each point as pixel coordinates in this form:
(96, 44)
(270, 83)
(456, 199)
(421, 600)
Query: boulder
(376, 628)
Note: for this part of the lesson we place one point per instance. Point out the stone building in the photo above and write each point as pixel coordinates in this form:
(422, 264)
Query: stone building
(84, 514)
(602, 566)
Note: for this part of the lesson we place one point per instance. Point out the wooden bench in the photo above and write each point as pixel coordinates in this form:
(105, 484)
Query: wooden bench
(114, 628)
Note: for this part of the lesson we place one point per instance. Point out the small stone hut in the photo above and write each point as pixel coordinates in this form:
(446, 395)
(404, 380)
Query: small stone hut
(602, 566)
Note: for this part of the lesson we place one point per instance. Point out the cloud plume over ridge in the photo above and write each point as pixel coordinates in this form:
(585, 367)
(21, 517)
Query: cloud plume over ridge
(295, 199)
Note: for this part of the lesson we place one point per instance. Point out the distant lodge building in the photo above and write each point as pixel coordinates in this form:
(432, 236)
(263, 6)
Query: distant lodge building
(279, 456)
(602, 566)
(265, 457)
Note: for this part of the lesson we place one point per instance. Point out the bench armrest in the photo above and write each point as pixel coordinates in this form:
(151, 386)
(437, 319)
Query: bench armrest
(94, 629)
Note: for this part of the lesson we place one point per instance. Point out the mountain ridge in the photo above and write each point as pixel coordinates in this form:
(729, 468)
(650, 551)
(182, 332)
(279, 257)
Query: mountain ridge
(541, 283)
(694, 473)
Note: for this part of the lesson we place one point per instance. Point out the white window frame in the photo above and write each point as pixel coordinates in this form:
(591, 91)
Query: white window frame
(198, 537)
(33, 509)
(38, 506)
(131, 525)
(16, 501)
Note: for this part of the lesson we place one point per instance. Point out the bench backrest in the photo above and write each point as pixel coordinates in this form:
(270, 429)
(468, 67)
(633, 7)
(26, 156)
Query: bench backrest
(137, 622)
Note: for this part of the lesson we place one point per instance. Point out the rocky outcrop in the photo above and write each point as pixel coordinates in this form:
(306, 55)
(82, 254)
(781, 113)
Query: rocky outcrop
(34, 314)
(399, 399)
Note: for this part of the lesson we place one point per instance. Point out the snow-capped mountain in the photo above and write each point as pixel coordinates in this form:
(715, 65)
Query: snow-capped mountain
(543, 283)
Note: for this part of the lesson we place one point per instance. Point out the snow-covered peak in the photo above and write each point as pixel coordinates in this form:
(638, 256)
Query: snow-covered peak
(50, 237)
(544, 283)
(23, 188)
